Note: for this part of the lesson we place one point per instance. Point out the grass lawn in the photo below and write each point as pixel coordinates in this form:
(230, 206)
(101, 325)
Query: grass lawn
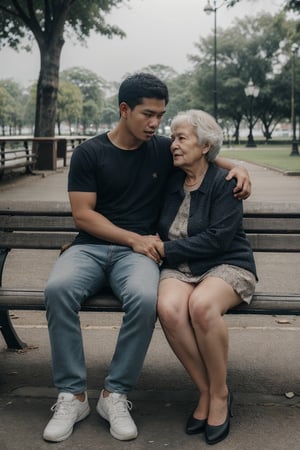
(269, 156)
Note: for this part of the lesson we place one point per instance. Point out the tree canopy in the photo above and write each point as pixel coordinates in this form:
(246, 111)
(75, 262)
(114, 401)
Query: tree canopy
(49, 23)
(254, 47)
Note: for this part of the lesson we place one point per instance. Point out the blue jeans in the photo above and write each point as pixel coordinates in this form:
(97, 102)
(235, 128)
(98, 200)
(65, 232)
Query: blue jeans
(81, 271)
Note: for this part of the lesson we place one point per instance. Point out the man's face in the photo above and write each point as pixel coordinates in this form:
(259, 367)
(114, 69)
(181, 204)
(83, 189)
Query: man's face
(143, 120)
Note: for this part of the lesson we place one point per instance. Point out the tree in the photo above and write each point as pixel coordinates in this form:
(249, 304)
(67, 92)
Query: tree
(69, 104)
(252, 48)
(48, 21)
(165, 73)
(91, 87)
(6, 106)
(29, 107)
(13, 112)
(110, 113)
(293, 5)
(181, 95)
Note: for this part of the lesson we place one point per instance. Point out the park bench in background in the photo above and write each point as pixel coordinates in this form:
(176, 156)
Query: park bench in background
(16, 154)
(271, 228)
(35, 153)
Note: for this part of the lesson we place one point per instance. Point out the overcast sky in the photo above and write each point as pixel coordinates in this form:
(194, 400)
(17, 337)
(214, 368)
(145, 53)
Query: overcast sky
(158, 32)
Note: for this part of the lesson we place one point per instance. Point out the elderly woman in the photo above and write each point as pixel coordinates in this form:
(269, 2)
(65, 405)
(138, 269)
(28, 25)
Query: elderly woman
(208, 267)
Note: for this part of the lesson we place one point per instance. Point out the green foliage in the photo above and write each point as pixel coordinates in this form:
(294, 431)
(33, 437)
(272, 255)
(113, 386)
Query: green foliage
(165, 73)
(90, 84)
(49, 22)
(69, 103)
(29, 106)
(257, 48)
(91, 87)
(110, 113)
(11, 106)
(181, 95)
(6, 107)
(21, 19)
(293, 5)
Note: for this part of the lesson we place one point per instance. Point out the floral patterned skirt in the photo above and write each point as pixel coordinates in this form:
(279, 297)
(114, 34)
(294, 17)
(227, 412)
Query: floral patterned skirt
(241, 280)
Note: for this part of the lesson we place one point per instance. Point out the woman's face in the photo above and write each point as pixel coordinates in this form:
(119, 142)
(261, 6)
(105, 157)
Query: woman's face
(185, 148)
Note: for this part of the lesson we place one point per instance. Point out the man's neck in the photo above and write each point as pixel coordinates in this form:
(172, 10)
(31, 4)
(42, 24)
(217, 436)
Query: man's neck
(123, 140)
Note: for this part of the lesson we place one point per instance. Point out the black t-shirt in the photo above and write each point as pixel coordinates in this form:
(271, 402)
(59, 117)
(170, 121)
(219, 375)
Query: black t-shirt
(129, 184)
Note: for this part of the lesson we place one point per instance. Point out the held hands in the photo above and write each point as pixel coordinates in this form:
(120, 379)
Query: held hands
(150, 246)
(242, 189)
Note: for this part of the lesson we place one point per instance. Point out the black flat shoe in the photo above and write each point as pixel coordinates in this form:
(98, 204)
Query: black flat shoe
(216, 433)
(195, 426)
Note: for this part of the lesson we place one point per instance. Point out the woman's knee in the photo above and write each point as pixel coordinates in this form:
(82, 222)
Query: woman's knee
(169, 312)
(203, 313)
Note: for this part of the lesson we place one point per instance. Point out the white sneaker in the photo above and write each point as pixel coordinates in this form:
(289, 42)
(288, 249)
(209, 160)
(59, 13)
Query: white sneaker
(67, 411)
(115, 409)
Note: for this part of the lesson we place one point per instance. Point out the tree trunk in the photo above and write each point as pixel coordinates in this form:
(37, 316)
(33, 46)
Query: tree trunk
(58, 125)
(47, 87)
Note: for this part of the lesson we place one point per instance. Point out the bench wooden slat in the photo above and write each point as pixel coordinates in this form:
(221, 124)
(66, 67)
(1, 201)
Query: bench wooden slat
(55, 239)
(34, 299)
(270, 224)
(37, 223)
(288, 243)
(20, 299)
(35, 241)
(44, 222)
(274, 303)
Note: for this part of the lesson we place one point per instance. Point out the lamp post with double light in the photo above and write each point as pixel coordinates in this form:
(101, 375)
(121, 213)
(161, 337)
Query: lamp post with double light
(252, 92)
(295, 151)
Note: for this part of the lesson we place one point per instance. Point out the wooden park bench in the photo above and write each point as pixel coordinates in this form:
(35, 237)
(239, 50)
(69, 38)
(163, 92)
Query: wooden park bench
(271, 228)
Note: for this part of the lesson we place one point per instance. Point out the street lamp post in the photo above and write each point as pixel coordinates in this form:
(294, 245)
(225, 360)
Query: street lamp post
(295, 151)
(213, 9)
(252, 92)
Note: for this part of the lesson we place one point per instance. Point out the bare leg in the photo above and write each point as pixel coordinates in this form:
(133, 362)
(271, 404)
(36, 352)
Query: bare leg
(208, 302)
(173, 313)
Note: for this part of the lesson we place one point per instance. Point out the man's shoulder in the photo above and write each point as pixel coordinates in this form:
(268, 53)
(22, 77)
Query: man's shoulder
(94, 141)
(162, 140)
(159, 144)
(92, 146)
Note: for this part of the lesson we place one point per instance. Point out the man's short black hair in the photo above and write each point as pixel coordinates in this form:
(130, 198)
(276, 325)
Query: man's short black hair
(142, 85)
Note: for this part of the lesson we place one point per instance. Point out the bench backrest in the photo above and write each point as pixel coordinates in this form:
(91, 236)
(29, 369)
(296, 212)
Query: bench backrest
(49, 225)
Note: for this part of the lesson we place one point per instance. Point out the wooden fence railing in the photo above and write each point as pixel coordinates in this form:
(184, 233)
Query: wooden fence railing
(40, 153)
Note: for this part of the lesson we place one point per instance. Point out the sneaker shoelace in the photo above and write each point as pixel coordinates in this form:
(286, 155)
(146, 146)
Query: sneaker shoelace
(122, 405)
(62, 408)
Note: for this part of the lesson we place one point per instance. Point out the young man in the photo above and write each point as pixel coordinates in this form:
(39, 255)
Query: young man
(116, 185)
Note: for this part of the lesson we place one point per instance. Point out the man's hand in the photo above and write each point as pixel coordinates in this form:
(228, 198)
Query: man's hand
(148, 246)
(243, 184)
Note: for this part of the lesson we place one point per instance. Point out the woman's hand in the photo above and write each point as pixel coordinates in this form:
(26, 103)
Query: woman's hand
(160, 248)
(148, 246)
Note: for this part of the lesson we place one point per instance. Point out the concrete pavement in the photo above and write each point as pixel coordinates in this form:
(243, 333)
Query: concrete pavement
(264, 356)
(267, 186)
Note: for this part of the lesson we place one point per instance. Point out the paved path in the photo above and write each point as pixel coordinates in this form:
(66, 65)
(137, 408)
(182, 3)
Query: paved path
(267, 186)
(264, 358)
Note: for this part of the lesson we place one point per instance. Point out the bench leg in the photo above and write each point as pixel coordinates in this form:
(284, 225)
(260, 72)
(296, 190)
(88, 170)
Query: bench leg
(12, 340)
